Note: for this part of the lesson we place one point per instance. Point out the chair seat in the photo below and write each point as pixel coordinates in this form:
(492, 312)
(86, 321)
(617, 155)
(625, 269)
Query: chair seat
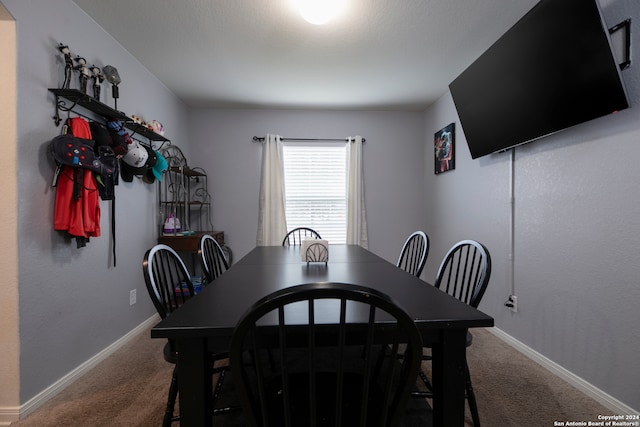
(416, 412)
(169, 354)
(326, 393)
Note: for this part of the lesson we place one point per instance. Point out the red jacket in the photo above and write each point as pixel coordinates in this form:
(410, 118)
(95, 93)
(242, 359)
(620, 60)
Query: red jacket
(77, 214)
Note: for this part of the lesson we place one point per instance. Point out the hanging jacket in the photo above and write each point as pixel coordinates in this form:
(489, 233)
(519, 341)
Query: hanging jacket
(77, 206)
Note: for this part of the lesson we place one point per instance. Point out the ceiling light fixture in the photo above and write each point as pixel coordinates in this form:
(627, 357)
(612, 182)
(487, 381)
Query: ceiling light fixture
(319, 12)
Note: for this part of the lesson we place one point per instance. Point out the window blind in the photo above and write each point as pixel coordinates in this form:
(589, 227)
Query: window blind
(315, 189)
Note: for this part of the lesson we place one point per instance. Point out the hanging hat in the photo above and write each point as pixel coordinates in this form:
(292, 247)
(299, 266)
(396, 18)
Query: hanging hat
(100, 135)
(160, 167)
(136, 155)
(152, 161)
(77, 152)
(156, 169)
(138, 161)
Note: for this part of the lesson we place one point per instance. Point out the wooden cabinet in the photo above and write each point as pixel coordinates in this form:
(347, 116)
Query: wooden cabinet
(189, 243)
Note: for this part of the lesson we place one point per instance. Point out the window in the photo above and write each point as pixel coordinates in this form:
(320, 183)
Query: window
(315, 188)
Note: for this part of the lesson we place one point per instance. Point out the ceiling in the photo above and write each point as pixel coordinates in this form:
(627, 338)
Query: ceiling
(379, 55)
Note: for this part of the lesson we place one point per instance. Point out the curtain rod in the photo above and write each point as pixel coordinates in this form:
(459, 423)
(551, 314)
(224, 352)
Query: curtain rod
(261, 139)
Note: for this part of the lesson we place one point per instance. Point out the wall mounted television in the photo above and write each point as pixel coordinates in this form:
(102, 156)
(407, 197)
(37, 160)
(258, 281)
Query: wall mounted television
(554, 69)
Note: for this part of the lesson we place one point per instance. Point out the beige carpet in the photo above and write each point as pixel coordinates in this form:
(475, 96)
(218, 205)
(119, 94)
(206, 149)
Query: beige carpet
(514, 391)
(129, 389)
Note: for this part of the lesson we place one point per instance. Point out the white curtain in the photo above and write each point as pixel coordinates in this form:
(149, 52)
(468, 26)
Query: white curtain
(272, 221)
(356, 215)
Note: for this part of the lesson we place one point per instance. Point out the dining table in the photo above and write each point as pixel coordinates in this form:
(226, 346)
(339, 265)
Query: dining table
(204, 325)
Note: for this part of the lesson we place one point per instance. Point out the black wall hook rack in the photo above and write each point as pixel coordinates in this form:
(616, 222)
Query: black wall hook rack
(77, 98)
(68, 99)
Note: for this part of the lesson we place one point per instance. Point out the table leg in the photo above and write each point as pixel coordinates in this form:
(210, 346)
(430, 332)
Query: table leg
(449, 378)
(194, 382)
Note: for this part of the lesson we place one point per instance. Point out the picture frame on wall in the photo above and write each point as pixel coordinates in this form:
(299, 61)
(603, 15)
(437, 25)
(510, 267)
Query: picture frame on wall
(445, 149)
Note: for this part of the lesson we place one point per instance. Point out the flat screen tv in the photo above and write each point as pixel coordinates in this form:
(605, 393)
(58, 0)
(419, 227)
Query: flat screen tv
(555, 68)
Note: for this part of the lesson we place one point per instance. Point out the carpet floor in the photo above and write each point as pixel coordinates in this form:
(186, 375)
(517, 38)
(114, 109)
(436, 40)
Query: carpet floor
(129, 389)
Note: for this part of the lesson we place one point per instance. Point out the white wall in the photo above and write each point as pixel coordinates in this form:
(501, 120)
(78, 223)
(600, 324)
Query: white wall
(222, 144)
(72, 302)
(577, 228)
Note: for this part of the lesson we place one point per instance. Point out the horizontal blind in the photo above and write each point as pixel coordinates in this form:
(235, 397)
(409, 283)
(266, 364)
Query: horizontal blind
(315, 189)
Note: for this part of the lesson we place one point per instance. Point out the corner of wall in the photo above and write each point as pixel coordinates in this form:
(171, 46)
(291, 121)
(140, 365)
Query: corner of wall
(9, 337)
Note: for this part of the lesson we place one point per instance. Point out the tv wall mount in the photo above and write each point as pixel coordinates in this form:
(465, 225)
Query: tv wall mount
(626, 26)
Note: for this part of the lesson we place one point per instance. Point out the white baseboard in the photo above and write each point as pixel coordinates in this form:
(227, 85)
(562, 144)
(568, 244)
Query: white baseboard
(14, 413)
(606, 400)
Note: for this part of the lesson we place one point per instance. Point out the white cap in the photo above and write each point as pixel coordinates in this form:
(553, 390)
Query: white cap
(136, 155)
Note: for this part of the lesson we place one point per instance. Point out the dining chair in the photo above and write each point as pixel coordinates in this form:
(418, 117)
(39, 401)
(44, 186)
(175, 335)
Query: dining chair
(169, 285)
(464, 274)
(326, 370)
(414, 253)
(297, 235)
(212, 258)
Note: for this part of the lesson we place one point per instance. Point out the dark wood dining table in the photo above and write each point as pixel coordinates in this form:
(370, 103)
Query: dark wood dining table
(205, 324)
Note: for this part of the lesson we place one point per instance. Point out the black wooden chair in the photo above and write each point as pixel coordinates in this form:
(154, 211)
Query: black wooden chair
(169, 284)
(308, 369)
(297, 235)
(464, 274)
(414, 253)
(212, 258)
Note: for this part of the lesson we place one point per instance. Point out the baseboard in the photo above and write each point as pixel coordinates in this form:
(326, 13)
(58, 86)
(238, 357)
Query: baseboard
(12, 414)
(9, 414)
(606, 400)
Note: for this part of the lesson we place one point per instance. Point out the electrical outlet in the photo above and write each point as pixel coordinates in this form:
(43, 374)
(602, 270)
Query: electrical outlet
(132, 297)
(512, 303)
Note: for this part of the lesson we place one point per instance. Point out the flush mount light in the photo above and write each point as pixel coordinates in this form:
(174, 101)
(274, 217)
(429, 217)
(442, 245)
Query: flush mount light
(320, 12)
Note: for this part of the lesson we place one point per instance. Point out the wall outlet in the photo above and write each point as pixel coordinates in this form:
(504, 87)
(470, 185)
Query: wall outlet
(512, 303)
(132, 297)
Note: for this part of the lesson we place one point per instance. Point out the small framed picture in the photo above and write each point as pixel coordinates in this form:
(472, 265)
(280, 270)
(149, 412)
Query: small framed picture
(445, 149)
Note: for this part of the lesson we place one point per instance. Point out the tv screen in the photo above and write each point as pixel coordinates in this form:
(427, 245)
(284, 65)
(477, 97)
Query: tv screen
(553, 69)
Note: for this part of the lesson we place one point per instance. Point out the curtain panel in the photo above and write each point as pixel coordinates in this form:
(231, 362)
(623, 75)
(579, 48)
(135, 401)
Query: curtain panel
(272, 221)
(356, 213)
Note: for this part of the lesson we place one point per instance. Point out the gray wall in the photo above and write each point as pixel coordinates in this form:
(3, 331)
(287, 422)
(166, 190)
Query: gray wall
(73, 303)
(222, 144)
(577, 228)
(576, 224)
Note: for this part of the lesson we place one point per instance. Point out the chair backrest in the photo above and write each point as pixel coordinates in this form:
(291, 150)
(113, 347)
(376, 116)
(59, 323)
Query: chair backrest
(212, 258)
(297, 235)
(317, 361)
(414, 253)
(167, 278)
(465, 271)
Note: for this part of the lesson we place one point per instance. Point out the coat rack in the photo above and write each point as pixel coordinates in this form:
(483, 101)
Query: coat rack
(68, 99)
